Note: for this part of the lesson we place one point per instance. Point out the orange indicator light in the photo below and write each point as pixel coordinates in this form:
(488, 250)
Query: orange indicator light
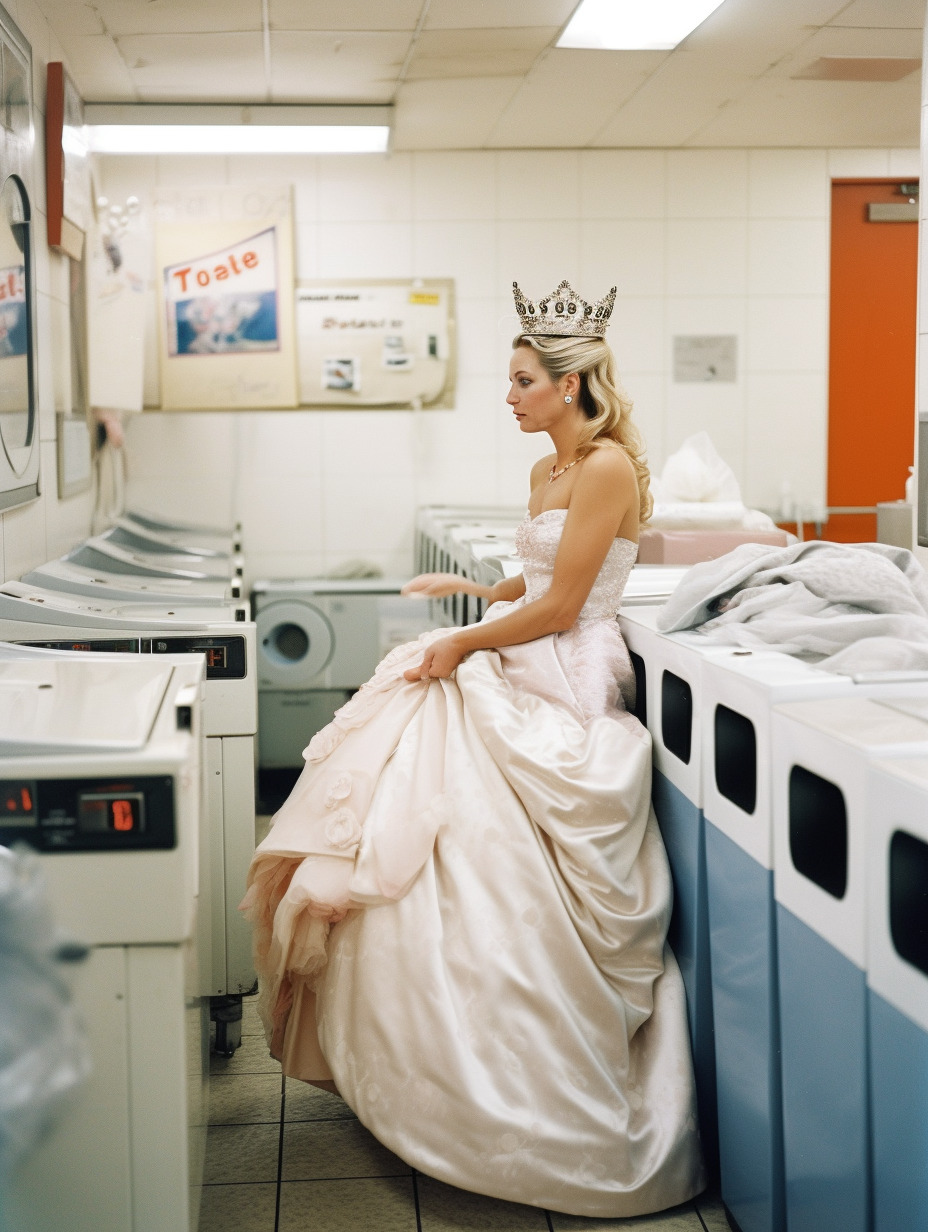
(122, 815)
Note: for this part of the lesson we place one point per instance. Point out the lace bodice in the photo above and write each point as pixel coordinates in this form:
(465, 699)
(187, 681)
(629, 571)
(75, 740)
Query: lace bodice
(537, 541)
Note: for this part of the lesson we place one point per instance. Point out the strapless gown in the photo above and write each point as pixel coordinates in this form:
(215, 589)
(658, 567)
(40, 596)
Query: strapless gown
(460, 914)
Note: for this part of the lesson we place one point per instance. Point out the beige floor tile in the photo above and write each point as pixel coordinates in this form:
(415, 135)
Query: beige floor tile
(678, 1219)
(713, 1213)
(381, 1204)
(246, 1208)
(239, 1153)
(308, 1103)
(251, 1023)
(251, 1057)
(445, 1209)
(244, 1099)
(328, 1150)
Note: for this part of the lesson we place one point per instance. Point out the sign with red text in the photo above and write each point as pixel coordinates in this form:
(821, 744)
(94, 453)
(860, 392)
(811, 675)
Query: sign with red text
(226, 290)
(224, 301)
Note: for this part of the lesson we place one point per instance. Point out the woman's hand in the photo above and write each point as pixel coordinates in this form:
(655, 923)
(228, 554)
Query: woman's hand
(441, 658)
(434, 585)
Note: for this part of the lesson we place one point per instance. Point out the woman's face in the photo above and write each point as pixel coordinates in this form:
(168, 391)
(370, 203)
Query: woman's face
(537, 403)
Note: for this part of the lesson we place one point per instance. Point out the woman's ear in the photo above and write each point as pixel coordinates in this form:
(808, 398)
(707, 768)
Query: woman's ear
(572, 384)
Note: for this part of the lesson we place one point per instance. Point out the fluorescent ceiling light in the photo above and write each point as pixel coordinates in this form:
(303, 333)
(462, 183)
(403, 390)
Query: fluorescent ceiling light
(238, 139)
(634, 25)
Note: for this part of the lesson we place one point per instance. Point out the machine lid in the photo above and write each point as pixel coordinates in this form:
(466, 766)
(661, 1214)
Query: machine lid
(69, 706)
(20, 602)
(152, 522)
(285, 588)
(138, 540)
(98, 553)
(77, 579)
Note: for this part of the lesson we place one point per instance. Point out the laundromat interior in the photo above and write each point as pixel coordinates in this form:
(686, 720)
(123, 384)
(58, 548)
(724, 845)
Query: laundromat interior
(256, 321)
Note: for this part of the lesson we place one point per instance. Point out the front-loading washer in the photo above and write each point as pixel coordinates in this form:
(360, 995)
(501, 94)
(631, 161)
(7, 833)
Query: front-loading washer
(318, 641)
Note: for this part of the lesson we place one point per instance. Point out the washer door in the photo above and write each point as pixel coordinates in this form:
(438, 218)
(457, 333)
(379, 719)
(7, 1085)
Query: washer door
(295, 643)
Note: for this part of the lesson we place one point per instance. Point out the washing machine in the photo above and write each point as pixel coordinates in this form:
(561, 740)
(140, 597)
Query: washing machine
(19, 412)
(101, 774)
(225, 543)
(151, 521)
(58, 621)
(100, 553)
(162, 548)
(318, 641)
(76, 579)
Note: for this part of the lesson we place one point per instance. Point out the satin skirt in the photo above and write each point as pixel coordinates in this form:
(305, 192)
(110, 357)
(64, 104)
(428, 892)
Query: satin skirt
(460, 915)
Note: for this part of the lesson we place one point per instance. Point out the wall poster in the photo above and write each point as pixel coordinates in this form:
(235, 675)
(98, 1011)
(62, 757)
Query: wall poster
(226, 310)
(387, 343)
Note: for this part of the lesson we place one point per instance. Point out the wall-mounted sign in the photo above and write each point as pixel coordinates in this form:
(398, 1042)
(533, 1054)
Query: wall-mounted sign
(67, 164)
(376, 344)
(226, 296)
(705, 358)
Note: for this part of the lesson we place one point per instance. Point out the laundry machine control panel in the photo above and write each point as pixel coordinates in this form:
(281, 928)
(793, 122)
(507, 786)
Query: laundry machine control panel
(225, 656)
(135, 813)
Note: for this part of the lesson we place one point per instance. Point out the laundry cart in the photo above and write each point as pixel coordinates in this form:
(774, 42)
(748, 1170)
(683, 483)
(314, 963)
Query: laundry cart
(318, 641)
(669, 674)
(897, 990)
(61, 621)
(101, 774)
(822, 752)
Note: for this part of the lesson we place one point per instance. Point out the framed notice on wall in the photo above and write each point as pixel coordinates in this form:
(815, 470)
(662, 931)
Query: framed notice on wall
(226, 312)
(377, 343)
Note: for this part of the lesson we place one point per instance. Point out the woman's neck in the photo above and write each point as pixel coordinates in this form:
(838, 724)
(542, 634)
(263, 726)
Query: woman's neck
(565, 438)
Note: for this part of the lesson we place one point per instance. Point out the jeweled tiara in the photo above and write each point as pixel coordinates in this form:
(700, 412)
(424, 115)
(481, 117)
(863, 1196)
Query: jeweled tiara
(563, 312)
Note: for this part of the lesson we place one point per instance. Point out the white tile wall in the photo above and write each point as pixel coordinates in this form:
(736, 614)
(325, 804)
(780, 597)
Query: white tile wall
(698, 241)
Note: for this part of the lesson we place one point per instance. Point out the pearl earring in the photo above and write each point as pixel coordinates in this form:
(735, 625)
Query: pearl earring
(568, 398)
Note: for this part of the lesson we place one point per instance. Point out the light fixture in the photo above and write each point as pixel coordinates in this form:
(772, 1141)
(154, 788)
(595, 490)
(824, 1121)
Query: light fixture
(196, 129)
(634, 25)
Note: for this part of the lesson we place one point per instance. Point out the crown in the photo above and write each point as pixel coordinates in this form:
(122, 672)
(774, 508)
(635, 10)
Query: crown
(564, 312)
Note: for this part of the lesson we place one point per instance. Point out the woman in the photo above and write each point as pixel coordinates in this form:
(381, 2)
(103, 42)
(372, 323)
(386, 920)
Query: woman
(461, 910)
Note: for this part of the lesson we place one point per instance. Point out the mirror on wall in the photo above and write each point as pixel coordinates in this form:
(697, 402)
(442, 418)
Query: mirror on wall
(17, 399)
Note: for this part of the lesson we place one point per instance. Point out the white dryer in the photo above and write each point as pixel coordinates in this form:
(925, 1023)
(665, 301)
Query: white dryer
(58, 621)
(319, 640)
(101, 774)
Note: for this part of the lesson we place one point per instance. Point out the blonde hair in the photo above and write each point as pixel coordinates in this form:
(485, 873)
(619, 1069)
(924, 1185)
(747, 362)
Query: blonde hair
(602, 399)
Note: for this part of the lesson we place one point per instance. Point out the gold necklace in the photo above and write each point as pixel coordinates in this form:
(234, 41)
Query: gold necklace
(556, 474)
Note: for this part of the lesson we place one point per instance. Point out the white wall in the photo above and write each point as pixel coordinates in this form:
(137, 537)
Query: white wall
(46, 527)
(698, 241)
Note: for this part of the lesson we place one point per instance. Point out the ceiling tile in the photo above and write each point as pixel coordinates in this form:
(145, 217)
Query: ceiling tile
(755, 34)
(218, 67)
(858, 41)
(347, 67)
(450, 115)
(878, 13)
(70, 17)
(859, 68)
(467, 14)
(98, 70)
(548, 112)
(344, 14)
(819, 113)
(123, 17)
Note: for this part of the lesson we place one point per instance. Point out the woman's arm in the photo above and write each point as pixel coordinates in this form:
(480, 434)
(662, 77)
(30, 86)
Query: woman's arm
(438, 585)
(602, 495)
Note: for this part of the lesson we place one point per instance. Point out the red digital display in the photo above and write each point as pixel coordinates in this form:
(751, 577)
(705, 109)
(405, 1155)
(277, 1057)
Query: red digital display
(123, 815)
(17, 803)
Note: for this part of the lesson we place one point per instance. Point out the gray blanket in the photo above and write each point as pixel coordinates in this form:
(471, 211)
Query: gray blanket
(851, 607)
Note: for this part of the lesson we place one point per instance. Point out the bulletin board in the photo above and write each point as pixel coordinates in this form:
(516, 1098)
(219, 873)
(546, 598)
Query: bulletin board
(226, 310)
(376, 343)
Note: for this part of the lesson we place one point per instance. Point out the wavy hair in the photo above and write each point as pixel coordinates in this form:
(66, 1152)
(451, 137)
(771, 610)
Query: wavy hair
(606, 405)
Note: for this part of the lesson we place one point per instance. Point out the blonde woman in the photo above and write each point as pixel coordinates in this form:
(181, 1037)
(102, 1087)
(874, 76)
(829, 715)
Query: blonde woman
(461, 911)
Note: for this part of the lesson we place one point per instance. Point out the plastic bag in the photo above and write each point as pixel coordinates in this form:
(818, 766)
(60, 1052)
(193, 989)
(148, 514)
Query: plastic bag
(43, 1049)
(696, 472)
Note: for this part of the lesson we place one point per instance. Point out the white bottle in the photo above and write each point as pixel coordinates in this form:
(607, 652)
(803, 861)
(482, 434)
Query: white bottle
(910, 487)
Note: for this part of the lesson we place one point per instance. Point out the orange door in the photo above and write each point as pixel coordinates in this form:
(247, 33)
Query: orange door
(871, 386)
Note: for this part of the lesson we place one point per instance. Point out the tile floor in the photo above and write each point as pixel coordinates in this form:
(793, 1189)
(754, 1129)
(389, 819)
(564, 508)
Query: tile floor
(286, 1157)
